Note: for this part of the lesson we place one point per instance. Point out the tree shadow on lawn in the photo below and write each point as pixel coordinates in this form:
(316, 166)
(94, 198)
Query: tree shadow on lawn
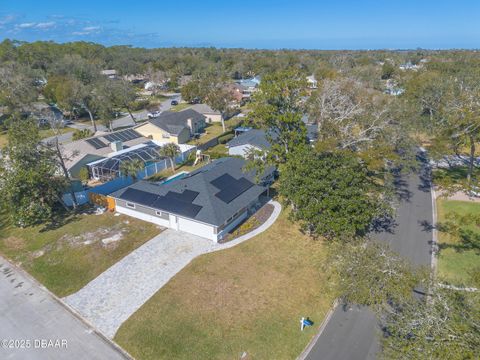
(467, 240)
(63, 217)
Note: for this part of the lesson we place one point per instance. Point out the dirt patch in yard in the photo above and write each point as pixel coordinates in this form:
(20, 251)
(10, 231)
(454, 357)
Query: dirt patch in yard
(105, 236)
(14, 243)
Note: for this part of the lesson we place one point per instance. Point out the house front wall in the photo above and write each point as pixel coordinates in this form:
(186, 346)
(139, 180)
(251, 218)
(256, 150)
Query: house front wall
(183, 137)
(179, 223)
(154, 132)
(171, 221)
(212, 118)
(141, 213)
(196, 228)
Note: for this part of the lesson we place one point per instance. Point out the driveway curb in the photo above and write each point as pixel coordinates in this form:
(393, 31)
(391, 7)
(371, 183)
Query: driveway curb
(434, 232)
(72, 311)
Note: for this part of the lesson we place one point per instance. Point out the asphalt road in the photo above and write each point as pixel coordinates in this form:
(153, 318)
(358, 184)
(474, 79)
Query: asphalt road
(352, 334)
(142, 115)
(34, 326)
(123, 121)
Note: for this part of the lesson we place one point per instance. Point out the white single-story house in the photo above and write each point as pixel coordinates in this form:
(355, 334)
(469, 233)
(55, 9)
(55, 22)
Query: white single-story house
(243, 144)
(208, 202)
(110, 73)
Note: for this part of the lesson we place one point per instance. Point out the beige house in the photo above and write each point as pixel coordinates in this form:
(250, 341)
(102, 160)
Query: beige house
(210, 114)
(173, 127)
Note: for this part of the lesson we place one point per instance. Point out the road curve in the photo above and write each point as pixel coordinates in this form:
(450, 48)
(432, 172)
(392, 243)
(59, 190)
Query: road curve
(351, 334)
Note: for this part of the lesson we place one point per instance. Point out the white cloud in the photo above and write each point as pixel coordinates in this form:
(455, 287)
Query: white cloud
(26, 25)
(45, 25)
(91, 28)
(7, 19)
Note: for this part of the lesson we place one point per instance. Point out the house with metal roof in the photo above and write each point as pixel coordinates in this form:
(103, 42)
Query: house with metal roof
(175, 127)
(208, 202)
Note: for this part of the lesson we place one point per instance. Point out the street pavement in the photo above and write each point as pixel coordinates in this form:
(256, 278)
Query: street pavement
(353, 333)
(35, 326)
(126, 119)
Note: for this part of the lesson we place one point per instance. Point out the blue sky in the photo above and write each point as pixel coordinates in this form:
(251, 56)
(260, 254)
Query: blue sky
(339, 24)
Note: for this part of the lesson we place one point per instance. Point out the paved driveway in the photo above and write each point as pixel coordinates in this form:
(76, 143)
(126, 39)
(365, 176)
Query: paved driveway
(112, 297)
(30, 314)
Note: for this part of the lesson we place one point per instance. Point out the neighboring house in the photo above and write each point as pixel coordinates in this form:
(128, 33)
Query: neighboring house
(82, 152)
(110, 167)
(237, 91)
(110, 73)
(175, 127)
(248, 140)
(208, 202)
(210, 114)
(409, 66)
(392, 88)
(312, 82)
(256, 139)
(249, 85)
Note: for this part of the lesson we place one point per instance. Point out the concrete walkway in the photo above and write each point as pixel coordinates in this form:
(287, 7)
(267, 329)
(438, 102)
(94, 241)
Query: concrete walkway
(32, 316)
(112, 297)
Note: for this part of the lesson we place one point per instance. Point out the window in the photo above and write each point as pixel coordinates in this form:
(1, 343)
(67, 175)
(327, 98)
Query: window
(130, 205)
(162, 214)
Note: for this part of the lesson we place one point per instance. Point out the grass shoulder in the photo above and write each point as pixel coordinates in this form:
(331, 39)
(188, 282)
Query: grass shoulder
(455, 261)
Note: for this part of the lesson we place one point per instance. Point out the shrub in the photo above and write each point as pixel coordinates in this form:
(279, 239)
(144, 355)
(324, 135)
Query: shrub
(81, 134)
(225, 138)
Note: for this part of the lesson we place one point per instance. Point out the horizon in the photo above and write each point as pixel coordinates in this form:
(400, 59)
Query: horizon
(348, 25)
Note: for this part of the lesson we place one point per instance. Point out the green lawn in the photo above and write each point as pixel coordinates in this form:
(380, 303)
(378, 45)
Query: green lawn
(246, 299)
(454, 264)
(215, 129)
(66, 257)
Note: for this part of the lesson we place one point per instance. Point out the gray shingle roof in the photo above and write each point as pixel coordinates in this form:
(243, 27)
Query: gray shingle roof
(213, 210)
(253, 137)
(204, 109)
(174, 122)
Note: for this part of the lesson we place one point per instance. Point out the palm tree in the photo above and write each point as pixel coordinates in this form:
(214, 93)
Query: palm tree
(131, 168)
(170, 151)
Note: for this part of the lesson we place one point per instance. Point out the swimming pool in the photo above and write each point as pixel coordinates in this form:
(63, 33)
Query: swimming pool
(174, 178)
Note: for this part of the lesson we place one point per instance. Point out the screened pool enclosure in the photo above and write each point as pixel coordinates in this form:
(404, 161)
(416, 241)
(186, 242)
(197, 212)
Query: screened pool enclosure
(109, 168)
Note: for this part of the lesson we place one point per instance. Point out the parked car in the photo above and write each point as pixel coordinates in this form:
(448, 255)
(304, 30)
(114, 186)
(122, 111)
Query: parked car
(153, 114)
(174, 102)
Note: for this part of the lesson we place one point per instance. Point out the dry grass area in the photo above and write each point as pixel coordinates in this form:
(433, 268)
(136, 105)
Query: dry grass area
(249, 298)
(66, 256)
